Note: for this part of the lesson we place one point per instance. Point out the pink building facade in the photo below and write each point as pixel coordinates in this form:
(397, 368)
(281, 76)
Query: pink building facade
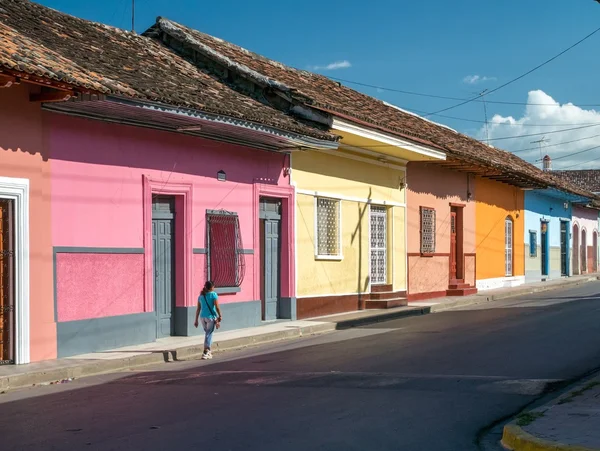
(132, 237)
(440, 232)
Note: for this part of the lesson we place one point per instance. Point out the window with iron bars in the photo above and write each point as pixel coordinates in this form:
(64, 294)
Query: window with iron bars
(328, 227)
(226, 266)
(427, 230)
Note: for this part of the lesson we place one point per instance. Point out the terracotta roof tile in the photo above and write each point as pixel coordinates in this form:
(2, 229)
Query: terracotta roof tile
(587, 179)
(44, 42)
(328, 95)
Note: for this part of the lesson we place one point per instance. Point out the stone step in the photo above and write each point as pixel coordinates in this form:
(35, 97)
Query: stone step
(381, 288)
(456, 286)
(461, 291)
(380, 296)
(386, 303)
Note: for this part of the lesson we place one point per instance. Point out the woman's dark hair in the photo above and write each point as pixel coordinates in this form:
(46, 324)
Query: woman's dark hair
(207, 287)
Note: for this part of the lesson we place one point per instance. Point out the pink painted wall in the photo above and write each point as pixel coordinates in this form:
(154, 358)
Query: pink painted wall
(23, 155)
(98, 285)
(97, 194)
(432, 186)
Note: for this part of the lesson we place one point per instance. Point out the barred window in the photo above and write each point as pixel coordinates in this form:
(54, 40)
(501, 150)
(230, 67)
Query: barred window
(427, 230)
(226, 265)
(533, 243)
(328, 227)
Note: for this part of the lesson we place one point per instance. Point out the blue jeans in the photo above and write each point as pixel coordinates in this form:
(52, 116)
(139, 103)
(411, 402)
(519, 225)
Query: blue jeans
(209, 327)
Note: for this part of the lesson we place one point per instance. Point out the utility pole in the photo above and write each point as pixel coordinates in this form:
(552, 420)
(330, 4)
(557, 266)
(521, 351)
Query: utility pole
(487, 132)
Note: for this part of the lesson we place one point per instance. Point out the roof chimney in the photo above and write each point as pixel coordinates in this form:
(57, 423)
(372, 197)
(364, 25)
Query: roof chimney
(547, 163)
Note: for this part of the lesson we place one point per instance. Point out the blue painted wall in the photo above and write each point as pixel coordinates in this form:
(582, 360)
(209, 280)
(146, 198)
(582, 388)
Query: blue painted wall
(542, 207)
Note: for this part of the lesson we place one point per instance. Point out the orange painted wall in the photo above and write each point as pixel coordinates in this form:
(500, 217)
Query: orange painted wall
(22, 155)
(493, 203)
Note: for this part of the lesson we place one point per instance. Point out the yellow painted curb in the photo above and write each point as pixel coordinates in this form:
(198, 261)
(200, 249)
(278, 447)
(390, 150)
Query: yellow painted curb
(517, 439)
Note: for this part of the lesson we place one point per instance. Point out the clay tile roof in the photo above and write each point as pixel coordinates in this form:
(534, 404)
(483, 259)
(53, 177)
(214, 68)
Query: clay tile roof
(587, 179)
(46, 43)
(323, 93)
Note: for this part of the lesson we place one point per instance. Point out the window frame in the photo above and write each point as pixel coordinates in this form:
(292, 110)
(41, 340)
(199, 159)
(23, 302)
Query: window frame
(239, 251)
(510, 220)
(533, 254)
(340, 255)
(431, 252)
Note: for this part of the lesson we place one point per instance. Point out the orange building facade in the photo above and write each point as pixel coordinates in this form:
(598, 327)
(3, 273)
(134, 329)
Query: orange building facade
(499, 228)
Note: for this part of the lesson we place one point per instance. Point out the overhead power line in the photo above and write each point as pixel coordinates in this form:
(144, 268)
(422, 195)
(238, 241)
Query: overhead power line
(479, 121)
(557, 144)
(544, 133)
(579, 164)
(435, 96)
(519, 77)
(576, 153)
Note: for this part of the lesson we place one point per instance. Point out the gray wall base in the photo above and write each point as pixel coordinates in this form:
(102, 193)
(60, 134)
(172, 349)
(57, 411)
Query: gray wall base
(101, 334)
(287, 308)
(236, 315)
(536, 276)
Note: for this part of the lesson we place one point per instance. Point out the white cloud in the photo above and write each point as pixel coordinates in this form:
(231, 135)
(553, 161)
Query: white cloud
(476, 79)
(334, 66)
(542, 119)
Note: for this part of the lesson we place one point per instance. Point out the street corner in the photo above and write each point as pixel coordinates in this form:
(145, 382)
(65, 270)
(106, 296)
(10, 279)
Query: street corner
(569, 422)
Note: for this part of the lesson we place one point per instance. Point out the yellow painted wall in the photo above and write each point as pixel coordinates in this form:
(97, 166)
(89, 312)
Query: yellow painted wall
(494, 202)
(340, 176)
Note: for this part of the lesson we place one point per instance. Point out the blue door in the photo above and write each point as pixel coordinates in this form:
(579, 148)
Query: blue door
(545, 249)
(270, 219)
(163, 255)
(564, 248)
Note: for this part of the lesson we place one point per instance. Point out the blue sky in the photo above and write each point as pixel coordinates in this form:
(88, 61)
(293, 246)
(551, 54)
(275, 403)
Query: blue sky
(423, 46)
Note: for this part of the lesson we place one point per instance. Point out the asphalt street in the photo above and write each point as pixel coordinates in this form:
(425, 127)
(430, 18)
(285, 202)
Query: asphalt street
(421, 383)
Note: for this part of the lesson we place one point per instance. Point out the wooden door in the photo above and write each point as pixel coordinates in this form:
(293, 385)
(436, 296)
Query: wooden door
(453, 246)
(7, 304)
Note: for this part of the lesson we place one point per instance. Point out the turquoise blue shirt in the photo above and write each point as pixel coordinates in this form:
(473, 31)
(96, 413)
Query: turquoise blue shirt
(207, 305)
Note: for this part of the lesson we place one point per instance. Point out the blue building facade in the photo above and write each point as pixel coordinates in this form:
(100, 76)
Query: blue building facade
(548, 217)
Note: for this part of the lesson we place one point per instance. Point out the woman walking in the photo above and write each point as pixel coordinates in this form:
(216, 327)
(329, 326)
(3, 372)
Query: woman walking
(207, 304)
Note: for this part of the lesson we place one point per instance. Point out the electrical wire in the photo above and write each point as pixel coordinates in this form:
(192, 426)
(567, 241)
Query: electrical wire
(578, 164)
(435, 96)
(479, 121)
(519, 77)
(557, 144)
(543, 133)
(575, 153)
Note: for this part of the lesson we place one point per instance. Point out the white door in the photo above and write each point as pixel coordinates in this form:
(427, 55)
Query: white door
(378, 229)
(508, 253)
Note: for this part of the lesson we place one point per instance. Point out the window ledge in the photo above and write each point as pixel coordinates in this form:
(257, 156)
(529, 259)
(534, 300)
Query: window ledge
(227, 290)
(329, 257)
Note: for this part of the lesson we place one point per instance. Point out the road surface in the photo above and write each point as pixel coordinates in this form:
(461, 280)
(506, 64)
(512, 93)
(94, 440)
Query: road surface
(421, 383)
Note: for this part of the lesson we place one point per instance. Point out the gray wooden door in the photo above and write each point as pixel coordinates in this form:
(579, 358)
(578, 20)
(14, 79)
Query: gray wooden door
(271, 245)
(163, 245)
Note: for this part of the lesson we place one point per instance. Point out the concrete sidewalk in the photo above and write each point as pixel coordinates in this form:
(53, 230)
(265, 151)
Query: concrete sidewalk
(179, 348)
(571, 422)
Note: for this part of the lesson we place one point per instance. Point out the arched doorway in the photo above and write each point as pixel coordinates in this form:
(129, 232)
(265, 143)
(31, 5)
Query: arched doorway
(583, 251)
(595, 247)
(576, 250)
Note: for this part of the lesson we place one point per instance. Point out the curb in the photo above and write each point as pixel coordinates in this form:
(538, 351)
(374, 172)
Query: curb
(516, 439)
(483, 298)
(97, 367)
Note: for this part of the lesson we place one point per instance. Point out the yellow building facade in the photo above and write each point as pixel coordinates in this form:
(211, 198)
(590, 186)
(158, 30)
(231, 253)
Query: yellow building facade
(351, 226)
